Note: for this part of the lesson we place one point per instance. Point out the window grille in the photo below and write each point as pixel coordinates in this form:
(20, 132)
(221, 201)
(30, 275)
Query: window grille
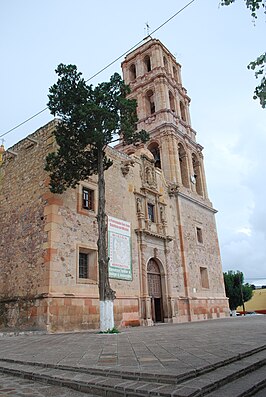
(151, 212)
(83, 265)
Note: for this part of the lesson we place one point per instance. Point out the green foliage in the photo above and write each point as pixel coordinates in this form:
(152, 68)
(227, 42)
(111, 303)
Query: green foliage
(110, 331)
(235, 290)
(260, 90)
(252, 5)
(260, 62)
(90, 119)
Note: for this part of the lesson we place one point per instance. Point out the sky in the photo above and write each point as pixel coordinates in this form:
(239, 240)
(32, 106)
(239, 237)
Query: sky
(213, 44)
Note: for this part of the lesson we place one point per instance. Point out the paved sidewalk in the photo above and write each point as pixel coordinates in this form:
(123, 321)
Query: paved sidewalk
(163, 349)
(11, 386)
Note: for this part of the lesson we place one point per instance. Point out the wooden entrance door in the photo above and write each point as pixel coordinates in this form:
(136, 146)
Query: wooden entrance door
(155, 290)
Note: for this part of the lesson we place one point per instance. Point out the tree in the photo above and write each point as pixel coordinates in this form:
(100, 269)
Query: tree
(235, 290)
(90, 119)
(259, 65)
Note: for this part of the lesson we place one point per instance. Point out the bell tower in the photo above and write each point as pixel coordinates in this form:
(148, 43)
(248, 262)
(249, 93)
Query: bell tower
(154, 77)
(173, 210)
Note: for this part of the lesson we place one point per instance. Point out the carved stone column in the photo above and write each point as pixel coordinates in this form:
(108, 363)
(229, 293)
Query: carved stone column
(191, 171)
(204, 184)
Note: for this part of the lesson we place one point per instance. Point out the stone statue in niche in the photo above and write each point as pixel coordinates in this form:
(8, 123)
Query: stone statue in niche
(150, 177)
(162, 214)
(139, 205)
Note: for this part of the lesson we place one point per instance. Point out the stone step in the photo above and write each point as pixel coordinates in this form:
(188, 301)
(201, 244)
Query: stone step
(246, 386)
(129, 384)
(147, 376)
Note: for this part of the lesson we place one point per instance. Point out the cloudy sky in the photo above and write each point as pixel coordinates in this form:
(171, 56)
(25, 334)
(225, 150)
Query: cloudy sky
(214, 44)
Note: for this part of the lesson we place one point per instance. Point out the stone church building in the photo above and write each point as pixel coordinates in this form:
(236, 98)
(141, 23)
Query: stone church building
(163, 245)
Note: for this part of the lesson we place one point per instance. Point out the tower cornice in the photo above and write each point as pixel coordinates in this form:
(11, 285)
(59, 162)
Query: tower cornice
(145, 48)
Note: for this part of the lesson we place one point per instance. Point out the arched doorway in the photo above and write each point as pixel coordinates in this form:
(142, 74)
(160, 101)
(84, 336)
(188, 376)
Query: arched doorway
(155, 291)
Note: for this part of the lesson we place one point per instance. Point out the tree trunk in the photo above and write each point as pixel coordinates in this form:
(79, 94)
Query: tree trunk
(107, 295)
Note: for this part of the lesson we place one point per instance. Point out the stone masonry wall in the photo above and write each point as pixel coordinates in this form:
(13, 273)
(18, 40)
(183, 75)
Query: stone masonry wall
(23, 276)
(74, 303)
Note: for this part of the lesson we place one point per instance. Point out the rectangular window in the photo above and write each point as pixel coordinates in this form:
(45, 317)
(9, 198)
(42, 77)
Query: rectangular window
(88, 199)
(151, 212)
(87, 270)
(199, 235)
(204, 277)
(83, 265)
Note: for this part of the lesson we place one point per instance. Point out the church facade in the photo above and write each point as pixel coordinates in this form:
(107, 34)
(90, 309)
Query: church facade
(165, 263)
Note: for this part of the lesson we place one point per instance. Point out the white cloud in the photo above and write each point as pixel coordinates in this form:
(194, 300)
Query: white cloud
(244, 230)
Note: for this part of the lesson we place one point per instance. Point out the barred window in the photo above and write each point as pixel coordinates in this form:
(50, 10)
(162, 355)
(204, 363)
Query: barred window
(151, 212)
(83, 265)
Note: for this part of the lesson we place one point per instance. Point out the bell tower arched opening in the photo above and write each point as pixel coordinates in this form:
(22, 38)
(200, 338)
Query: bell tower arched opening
(183, 111)
(147, 63)
(172, 101)
(165, 64)
(150, 104)
(132, 72)
(155, 150)
(197, 174)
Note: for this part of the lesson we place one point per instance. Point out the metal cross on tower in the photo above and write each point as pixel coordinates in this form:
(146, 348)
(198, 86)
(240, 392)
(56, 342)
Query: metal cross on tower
(147, 31)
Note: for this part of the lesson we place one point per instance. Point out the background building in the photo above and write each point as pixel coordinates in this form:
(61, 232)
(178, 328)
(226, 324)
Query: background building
(157, 197)
(257, 303)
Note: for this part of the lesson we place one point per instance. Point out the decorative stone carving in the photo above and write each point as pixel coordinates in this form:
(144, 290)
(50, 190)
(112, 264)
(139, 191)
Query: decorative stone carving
(150, 176)
(126, 166)
(153, 267)
(151, 199)
(173, 189)
(150, 120)
(147, 171)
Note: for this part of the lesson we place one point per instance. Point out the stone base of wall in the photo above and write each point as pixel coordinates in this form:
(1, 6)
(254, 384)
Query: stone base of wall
(27, 313)
(65, 314)
(197, 309)
(80, 313)
(62, 314)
